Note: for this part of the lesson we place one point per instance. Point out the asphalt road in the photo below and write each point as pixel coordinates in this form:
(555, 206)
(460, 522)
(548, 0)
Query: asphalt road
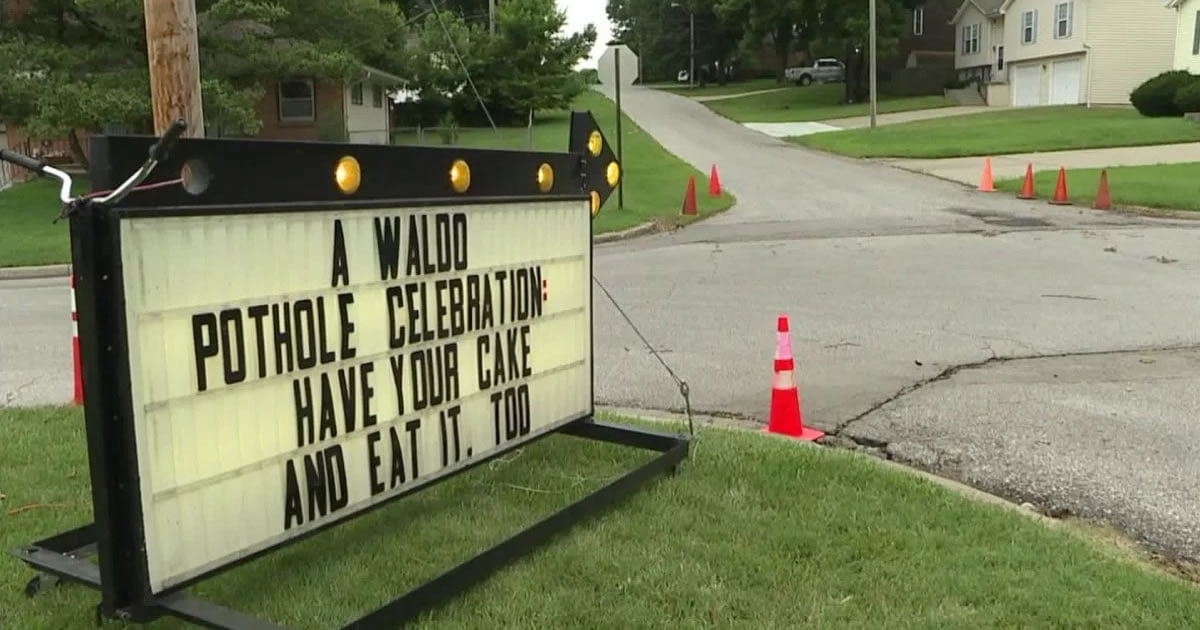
(906, 296)
(35, 342)
(893, 282)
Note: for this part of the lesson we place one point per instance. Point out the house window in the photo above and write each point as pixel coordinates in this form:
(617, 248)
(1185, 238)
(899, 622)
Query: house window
(970, 41)
(297, 100)
(356, 94)
(1029, 27)
(1000, 58)
(919, 21)
(376, 96)
(1064, 13)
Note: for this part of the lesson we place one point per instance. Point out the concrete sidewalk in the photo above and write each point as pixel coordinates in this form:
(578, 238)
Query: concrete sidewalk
(968, 169)
(896, 118)
(796, 129)
(726, 97)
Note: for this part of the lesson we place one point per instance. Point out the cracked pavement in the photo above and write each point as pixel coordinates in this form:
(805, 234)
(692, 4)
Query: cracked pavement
(892, 280)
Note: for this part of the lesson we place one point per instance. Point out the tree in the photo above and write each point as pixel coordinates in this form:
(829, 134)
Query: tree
(657, 31)
(527, 66)
(845, 26)
(530, 65)
(789, 24)
(82, 64)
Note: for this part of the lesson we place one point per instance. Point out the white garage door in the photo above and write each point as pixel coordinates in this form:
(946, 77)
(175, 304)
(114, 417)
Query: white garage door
(1026, 85)
(1064, 82)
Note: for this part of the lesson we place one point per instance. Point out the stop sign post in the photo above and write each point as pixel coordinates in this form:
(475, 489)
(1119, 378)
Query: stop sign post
(610, 74)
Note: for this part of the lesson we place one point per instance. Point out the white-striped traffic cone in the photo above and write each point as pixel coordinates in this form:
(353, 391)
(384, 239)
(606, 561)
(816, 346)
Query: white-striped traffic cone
(786, 418)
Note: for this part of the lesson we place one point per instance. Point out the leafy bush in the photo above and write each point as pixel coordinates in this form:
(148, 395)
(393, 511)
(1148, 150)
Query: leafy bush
(1188, 98)
(1156, 97)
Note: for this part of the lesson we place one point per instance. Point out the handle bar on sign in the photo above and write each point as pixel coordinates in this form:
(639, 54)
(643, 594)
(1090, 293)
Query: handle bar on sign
(157, 153)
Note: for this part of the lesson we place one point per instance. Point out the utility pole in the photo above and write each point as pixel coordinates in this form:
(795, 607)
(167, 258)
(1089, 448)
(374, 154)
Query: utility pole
(874, 64)
(620, 157)
(174, 65)
(692, 69)
(492, 16)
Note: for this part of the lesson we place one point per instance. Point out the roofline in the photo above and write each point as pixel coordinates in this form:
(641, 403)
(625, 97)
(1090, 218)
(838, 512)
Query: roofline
(387, 76)
(987, 14)
(1174, 4)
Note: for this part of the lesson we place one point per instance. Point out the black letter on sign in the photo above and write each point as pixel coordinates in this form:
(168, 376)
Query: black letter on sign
(233, 315)
(203, 349)
(306, 334)
(397, 458)
(335, 465)
(412, 426)
(460, 241)
(387, 243)
(291, 499)
(340, 268)
(345, 300)
(257, 313)
(373, 463)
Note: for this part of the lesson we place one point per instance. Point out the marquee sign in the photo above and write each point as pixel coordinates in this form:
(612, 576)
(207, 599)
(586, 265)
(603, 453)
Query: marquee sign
(298, 333)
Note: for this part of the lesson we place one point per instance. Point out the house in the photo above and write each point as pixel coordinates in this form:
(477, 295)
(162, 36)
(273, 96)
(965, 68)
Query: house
(305, 108)
(1187, 34)
(1061, 52)
(928, 40)
(923, 60)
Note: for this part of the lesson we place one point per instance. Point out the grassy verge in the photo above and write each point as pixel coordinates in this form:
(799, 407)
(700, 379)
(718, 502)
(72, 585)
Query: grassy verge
(755, 532)
(28, 234)
(1008, 131)
(1167, 186)
(815, 102)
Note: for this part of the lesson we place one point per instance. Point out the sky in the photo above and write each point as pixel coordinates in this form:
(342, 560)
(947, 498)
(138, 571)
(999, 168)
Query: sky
(582, 12)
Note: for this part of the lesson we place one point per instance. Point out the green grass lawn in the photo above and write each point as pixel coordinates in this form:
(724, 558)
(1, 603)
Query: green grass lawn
(28, 234)
(1167, 186)
(754, 532)
(815, 102)
(1008, 131)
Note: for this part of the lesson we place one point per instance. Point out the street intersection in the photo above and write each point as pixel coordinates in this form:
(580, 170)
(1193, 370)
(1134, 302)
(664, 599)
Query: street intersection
(1043, 353)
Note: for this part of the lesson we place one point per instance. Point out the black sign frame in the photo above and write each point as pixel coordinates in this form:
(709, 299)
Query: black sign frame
(254, 176)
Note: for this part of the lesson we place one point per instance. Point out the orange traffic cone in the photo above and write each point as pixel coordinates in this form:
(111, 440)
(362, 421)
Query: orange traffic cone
(78, 368)
(1060, 190)
(1103, 195)
(689, 198)
(786, 418)
(714, 183)
(1027, 191)
(985, 183)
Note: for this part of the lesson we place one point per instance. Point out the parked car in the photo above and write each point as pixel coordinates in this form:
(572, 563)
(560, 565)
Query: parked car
(826, 70)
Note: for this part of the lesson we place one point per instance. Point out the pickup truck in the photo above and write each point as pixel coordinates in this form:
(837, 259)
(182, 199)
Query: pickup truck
(825, 70)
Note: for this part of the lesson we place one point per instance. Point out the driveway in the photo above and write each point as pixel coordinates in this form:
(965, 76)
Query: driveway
(928, 322)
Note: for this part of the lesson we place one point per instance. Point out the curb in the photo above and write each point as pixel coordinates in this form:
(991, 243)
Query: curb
(25, 273)
(633, 232)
